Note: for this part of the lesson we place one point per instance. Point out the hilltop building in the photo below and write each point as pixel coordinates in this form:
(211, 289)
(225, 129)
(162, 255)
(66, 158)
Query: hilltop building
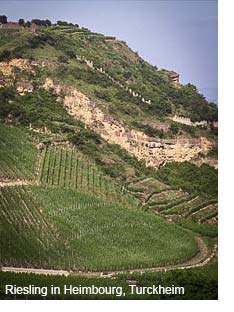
(11, 25)
(175, 78)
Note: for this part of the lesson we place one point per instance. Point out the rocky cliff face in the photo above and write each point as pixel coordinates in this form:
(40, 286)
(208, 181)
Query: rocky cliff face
(155, 152)
(7, 67)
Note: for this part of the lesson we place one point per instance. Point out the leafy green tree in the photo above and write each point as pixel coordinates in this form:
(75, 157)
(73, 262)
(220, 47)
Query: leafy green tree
(3, 19)
(28, 24)
(5, 55)
(62, 23)
(48, 22)
(174, 128)
(200, 180)
(21, 22)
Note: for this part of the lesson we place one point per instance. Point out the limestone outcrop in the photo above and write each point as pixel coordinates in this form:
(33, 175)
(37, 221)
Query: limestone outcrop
(7, 67)
(154, 151)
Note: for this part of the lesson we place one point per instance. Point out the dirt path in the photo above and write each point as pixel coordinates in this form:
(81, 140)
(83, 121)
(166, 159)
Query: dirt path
(199, 260)
(143, 181)
(6, 183)
(36, 271)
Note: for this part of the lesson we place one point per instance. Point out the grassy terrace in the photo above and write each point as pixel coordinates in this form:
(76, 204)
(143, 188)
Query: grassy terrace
(169, 201)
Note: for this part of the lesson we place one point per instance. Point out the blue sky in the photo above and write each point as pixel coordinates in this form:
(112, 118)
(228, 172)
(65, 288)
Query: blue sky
(176, 35)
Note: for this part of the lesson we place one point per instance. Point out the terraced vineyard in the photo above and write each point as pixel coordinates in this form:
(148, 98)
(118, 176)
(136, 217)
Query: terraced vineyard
(68, 168)
(54, 227)
(208, 213)
(77, 218)
(176, 205)
(17, 153)
(195, 208)
(143, 188)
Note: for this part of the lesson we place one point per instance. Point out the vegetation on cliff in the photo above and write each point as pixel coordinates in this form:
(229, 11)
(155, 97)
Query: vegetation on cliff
(91, 205)
(199, 180)
(63, 43)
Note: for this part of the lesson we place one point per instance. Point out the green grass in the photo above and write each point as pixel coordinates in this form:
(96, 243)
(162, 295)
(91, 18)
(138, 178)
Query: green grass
(59, 228)
(150, 186)
(202, 180)
(209, 215)
(209, 230)
(187, 208)
(17, 153)
(161, 206)
(167, 195)
(204, 204)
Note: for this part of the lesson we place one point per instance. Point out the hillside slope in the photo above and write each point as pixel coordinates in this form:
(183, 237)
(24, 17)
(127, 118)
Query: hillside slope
(64, 43)
(105, 163)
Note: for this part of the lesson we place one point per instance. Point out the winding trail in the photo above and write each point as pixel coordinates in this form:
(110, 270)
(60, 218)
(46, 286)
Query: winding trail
(199, 260)
(7, 183)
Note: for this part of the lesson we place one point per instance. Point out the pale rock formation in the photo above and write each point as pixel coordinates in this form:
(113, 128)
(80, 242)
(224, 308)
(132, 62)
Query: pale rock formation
(6, 67)
(155, 152)
(24, 87)
(175, 79)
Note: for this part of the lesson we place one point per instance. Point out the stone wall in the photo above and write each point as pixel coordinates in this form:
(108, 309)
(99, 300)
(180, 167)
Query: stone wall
(187, 121)
(134, 93)
(175, 79)
(11, 25)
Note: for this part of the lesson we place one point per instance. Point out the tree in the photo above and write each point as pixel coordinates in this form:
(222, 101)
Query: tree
(36, 21)
(28, 24)
(21, 22)
(174, 128)
(48, 22)
(62, 23)
(62, 59)
(5, 55)
(40, 22)
(3, 19)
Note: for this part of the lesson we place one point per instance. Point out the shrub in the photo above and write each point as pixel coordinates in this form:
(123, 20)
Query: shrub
(3, 19)
(5, 55)
(201, 180)
(103, 94)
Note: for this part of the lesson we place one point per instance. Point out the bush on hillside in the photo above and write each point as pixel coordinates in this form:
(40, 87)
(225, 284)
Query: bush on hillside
(200, 180)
